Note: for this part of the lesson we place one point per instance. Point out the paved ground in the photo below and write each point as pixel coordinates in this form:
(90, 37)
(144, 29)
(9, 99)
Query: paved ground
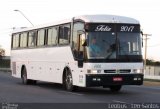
(13, 91)
(151, 83)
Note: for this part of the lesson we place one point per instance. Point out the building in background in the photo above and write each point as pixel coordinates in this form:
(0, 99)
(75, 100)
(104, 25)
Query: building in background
(152, 72)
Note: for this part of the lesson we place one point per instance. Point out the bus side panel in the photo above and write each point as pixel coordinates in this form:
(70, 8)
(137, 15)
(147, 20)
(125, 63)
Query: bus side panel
(16, 71)
(45, 64)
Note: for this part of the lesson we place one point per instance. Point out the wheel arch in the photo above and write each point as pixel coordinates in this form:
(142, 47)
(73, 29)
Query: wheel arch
(23, 67)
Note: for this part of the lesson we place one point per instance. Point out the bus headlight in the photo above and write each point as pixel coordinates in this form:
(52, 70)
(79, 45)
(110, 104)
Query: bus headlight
(137, 70)
(94, 71)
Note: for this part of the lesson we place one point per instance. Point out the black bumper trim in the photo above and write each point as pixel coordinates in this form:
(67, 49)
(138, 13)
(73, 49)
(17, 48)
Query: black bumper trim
(107, 79)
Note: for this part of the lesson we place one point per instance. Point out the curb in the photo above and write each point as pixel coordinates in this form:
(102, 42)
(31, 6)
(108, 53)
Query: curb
(152, 80)
(5, 69)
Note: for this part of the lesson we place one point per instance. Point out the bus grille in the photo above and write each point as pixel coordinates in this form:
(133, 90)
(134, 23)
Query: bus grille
(118, 71)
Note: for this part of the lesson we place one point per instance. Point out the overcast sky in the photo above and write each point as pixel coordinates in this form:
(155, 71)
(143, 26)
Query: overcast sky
(45, 11)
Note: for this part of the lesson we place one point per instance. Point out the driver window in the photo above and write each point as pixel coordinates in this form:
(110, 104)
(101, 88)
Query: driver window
(77, 26)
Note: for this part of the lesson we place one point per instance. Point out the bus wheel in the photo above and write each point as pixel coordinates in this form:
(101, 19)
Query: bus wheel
(24, 76)
(115, 88)
(68, 81)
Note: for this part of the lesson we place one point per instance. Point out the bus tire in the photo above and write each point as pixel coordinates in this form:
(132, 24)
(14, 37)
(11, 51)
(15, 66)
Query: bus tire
(68, 80)
(115, 88)
(24, 78)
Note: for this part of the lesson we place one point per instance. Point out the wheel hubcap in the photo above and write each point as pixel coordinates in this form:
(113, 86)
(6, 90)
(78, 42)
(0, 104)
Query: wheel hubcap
(69, 81)
(24, 78)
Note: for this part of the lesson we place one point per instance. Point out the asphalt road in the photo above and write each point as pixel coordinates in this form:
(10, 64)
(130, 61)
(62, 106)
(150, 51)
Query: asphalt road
(13, 91)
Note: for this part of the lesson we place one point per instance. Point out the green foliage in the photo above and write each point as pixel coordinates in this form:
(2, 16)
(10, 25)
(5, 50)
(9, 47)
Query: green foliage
(152, 62)
(4, 63)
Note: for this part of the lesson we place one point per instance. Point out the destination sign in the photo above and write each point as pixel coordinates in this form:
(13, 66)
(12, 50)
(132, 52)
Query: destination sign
(131, 28)
(128, 28)
(103, 28)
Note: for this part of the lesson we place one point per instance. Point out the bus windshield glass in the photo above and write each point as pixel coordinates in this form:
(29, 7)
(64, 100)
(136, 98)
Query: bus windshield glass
(114, 46)
(129, 44)
(105, 45)
(101, 45)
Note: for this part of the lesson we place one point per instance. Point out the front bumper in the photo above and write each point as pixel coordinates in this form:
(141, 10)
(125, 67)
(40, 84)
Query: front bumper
(113, 79)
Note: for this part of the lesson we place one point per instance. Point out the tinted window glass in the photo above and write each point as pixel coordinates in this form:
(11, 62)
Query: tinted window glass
(15, 41)
(23, 40)
(52, 36)
(32, 38)
(40, 40)
(77, 26)
(64, 34)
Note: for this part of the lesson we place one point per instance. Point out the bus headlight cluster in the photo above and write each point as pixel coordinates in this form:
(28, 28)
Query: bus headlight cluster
(137, 70)
(137, 79)
(94, 71)
(96, 79)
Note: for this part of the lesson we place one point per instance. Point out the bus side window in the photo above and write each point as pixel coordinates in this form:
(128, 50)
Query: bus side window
(32, 39)
(40, 38)
(77, 26)
(23, 40)
(15, 41)
(52, 36)
(64, 34)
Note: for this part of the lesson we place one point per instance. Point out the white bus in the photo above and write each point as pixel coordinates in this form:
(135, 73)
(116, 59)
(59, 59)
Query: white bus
(85, 51)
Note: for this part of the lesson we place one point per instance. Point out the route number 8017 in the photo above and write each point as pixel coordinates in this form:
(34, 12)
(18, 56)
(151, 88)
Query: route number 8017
(127, 28)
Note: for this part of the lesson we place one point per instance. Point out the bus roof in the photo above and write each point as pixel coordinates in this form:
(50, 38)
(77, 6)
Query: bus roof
(88, 19)
(107, 19)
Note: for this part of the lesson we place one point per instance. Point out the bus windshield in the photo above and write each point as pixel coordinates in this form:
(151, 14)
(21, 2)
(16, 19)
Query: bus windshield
(109, 45)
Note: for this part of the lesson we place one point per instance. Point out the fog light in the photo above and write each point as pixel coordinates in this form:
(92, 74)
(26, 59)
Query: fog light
(94, 79)
(135, 79)
(98, 79)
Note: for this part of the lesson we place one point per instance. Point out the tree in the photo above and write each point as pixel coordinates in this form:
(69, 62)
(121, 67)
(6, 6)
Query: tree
(2, 52)
(157, 63)
(152, 62)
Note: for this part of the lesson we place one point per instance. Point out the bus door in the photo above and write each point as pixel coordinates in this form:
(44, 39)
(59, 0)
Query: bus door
(81, 43)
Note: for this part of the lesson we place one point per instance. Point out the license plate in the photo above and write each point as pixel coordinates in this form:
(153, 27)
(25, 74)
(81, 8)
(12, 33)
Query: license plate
(117, 79)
